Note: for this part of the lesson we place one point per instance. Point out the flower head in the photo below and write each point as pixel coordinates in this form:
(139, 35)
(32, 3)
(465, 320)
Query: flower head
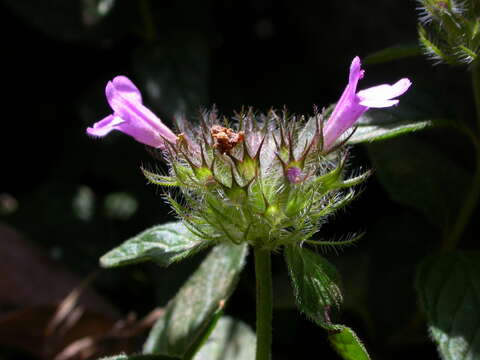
(130, 116)
(353, 104)
(266, 180)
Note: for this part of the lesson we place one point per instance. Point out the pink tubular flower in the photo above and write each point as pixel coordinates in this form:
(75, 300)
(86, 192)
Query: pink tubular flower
(130, 116)
(352, 104)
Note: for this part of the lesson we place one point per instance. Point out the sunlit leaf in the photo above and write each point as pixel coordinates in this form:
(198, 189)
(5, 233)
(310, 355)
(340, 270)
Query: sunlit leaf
(382, 125)
(163, 244)
(231, 339)
(195, 305)
(347, 344)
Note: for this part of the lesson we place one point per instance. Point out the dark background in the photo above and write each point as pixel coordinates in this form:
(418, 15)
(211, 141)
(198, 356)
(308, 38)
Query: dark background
(74, 197)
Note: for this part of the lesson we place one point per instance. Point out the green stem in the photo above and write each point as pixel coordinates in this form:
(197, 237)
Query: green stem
(471, 200)
(263, 273)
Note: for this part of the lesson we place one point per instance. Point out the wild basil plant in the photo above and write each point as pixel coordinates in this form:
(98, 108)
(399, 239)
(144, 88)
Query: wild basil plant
(266, 182)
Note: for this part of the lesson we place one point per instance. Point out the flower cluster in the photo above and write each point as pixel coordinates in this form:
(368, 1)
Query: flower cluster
(268, 179)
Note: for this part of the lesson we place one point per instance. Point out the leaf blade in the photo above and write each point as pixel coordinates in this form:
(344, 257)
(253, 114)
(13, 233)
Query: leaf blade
(448, 286)
(378, 125)
(317, 289)
(231, 339)
(197, 302)
(163, 244)
(392, 53)
(315, 282)
(421, 176)
(347, 344)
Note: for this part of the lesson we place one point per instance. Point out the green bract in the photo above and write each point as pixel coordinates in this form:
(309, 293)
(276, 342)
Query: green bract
(268, 182)
(450, 30)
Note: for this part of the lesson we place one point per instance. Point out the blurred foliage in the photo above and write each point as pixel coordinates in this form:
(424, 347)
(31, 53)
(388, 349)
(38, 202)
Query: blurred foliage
(77, 197)
(448, 287)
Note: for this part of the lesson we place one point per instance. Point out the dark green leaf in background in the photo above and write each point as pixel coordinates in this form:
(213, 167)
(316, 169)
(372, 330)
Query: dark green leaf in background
(163, 244)
(397, 243)
(448, 286)
(417, 174)
(195, 305)
(392, 53)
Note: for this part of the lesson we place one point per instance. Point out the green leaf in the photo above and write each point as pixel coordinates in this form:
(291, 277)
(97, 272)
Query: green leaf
(230, 340)
(347, 344)
(378, 125)
(315, 282)
(163, 244)
(190, 312)
(419, 175)
(316, 287)
(392, 53)
(392, 267)
(448, 286)
(204, 335)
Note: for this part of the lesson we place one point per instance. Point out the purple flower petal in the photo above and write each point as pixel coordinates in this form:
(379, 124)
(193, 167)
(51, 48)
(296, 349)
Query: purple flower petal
(131, 116)
(378, 103)
(347, 110)
(104, 126)
(383, 92)
(127, 89)
(356, 72)
(352, 105)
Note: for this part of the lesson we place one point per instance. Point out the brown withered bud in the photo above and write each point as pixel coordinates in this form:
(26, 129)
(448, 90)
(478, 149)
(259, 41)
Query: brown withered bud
(225, 138)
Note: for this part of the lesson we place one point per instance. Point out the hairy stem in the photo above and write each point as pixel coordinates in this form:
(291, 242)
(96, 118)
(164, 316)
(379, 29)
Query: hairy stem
(473, 195)
(263, 275)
